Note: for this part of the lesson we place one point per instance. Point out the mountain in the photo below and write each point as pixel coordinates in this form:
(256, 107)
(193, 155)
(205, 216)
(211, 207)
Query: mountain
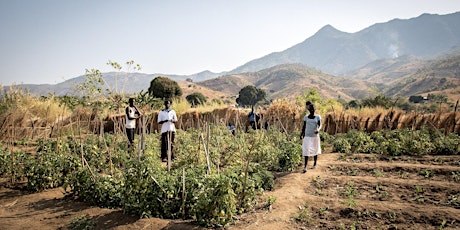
(440, 76)
(129, 83)
(290, 80)
(391, 56)
(404, 76)
(385, 71)
(336, 52)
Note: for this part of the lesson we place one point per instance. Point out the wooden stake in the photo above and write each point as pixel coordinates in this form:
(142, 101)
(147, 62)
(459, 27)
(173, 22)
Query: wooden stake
(207, 154)
(168, 133)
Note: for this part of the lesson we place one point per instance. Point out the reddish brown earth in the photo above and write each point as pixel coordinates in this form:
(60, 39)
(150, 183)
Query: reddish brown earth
(398, 193)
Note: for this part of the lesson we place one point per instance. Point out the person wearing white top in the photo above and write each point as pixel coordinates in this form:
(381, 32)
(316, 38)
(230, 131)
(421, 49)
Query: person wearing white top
(310, 134)
(166, 118)
(130, 125)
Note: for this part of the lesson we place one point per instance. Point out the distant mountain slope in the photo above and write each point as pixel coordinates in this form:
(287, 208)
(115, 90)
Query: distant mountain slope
(438, 76)
(290, 80)
(117, 81)
(336, 52)
(385, 71)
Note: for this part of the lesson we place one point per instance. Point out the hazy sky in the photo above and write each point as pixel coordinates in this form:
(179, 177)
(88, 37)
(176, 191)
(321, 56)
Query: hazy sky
(49, 41)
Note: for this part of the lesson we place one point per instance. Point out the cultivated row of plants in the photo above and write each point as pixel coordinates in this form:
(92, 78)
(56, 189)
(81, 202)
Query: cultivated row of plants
(425, 141)
(215, 176)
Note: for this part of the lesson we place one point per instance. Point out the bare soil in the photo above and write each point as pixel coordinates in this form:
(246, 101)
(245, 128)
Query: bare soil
(361, 191)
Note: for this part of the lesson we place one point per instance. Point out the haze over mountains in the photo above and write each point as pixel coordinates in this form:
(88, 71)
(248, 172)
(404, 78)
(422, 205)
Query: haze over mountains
(336, 52)
(384, 55)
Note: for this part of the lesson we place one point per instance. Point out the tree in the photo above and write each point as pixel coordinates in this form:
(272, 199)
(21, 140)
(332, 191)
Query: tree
(416, 99)
(379, 100)
(438, 98)
(311, 95)
(196, 99)
(250, 95)
(163, 87)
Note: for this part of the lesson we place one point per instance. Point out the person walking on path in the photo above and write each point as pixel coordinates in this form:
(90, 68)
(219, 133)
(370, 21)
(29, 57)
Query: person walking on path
(166, 118)
(131, 112)
(310, 134)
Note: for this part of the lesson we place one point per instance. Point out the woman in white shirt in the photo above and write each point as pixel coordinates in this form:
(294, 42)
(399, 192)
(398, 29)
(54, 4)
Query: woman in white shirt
(310, 134)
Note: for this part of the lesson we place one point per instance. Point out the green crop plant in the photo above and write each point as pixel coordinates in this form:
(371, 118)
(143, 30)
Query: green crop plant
(377, 172)
(322, 211)
(304, 215)
(455, 176)
(418, 194)
(426, 173)
(350, 193)
(83, 222)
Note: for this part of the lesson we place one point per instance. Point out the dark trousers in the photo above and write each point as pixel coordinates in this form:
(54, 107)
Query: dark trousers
(130, 134)
(165, 143)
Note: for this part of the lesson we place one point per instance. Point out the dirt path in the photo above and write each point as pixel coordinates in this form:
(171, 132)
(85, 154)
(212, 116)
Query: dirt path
(384, 194)
(291, 195)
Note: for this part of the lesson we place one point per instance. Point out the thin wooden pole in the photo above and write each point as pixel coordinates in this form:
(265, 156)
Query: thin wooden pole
(207, 154)
(183, 192)
(168, 135)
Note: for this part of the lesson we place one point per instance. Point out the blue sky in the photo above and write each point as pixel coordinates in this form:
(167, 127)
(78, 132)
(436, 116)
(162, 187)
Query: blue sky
(50, 41)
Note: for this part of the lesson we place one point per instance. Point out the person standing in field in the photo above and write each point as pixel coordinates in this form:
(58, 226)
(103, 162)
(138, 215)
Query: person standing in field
(131, 112)
(253, 118)
(310, 134)
(166, 118)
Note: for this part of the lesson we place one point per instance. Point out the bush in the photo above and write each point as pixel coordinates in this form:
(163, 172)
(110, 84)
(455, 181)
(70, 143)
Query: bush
(360, 142)
(341, 144)
(446, 145)
(196, 99)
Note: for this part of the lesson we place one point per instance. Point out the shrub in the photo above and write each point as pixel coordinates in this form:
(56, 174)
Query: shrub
(341, 144)
(196, 99)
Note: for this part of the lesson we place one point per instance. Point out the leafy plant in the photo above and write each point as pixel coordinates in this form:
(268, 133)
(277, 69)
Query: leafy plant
(83, 222)
(304, 215)
(418, 194)
(377, 172)
(350, 193)
(426, 173)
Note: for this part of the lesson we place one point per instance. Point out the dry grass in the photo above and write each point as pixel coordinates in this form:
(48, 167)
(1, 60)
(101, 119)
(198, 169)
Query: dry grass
(24, 116)
(33, 118)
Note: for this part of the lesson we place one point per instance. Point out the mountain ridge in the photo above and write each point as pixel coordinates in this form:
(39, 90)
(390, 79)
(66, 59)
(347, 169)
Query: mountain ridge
(379, 56)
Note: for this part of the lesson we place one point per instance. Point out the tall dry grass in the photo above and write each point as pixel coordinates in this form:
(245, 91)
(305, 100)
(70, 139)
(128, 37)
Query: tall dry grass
(47, 118)
(26, 116)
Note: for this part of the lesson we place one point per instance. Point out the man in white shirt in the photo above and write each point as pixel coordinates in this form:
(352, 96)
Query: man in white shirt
(131, 112)
(166, 118)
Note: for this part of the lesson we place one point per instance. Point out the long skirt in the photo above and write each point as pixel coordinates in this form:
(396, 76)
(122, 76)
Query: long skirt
(311, 146)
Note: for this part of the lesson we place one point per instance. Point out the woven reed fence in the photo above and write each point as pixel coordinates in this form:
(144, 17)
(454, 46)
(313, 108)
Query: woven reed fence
(285, 119)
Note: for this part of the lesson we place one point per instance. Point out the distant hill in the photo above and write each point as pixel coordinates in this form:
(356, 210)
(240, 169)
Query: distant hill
(129, 83)
(436, 77)
(404, 76)
(210, 94)
(290, 80)
(336, 52)
(385, 71)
